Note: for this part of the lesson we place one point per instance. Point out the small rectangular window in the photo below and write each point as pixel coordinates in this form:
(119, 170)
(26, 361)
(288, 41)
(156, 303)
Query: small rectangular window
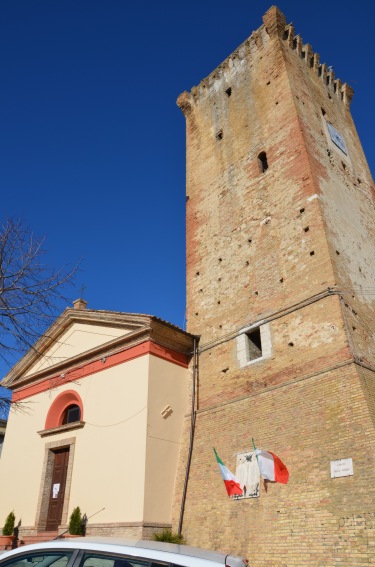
(254, 344)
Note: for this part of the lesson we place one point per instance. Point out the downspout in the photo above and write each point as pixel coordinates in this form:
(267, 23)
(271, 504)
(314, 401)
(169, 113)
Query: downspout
(192, 427)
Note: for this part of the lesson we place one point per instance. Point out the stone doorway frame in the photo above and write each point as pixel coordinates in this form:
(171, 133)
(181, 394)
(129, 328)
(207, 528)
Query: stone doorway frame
(46, 481)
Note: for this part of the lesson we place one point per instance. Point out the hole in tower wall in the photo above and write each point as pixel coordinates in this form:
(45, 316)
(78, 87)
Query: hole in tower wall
(306, 229)
(312, 253)
(219, 135)
(291, 344)
(302, 211)
(281, 280)
(228, 92)
(262, 162)
(323, 111)
(312, 62)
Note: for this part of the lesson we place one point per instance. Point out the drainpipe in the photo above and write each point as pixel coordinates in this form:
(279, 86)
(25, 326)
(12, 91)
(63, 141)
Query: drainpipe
(192, 427)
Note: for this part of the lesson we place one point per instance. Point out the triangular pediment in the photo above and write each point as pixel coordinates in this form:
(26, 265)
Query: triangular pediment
(77, 339)
(75, 335)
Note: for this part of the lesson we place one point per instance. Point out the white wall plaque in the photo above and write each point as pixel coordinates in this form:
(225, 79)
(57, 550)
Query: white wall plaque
(248, 475)
(343, 467)
(337, 138)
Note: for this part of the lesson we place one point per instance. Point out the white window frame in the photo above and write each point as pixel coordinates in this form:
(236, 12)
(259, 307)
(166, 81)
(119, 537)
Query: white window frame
(243, 350)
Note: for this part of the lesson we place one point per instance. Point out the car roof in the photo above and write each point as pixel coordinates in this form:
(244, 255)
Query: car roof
(162, 551)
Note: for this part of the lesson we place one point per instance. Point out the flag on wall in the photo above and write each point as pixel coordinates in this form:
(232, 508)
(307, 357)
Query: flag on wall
(229, 479)
(271, 467)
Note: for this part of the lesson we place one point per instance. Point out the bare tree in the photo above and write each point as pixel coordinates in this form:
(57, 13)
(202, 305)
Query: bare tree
(31, 292)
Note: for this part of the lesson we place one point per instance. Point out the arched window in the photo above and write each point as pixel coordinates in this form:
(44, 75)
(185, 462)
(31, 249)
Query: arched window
(71, 414)
(262, 162)
(67, 408)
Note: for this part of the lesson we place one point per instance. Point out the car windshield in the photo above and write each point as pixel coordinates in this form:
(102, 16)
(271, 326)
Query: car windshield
(46, 559)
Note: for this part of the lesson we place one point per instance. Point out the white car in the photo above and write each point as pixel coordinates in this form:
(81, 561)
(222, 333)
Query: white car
(112, 552)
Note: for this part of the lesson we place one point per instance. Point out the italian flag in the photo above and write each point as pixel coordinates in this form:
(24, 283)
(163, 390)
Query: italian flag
(229, 479)
(271, 467)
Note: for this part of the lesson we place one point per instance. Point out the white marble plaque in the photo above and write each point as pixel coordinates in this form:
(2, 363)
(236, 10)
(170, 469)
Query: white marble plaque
(343, 467)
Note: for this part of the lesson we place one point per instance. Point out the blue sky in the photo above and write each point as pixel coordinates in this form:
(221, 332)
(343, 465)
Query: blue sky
(92, 144)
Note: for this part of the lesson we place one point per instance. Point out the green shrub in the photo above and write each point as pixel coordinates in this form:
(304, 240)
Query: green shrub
(75, 522)
(9, 524)
(169, 536)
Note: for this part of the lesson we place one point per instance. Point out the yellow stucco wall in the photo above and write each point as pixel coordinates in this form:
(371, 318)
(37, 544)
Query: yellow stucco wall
(125, 457)
(78, 338)
(109, 461)
(167, 387)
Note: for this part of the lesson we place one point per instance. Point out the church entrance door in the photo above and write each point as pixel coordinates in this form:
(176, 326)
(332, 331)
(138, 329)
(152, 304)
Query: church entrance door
(56, 499)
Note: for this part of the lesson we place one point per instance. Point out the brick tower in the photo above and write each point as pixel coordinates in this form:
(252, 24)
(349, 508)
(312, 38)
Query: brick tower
(280, 250)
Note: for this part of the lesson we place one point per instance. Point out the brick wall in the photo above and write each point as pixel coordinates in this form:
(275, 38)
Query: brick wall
(289, 246)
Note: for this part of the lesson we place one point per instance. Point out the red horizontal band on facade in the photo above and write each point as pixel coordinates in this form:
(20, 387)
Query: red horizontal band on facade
(66, 376)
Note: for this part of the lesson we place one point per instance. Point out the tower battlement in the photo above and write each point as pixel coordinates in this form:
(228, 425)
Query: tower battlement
(274, 26)
(305, 52)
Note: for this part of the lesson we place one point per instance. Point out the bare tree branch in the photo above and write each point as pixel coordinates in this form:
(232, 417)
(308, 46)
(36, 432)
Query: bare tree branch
(31, 292)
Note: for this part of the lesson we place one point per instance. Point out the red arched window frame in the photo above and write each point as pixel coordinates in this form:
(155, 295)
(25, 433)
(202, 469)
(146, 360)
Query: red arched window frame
(55, 413)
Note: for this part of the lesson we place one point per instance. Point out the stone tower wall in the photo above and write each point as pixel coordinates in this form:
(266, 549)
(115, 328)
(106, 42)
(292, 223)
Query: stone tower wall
(277, 245)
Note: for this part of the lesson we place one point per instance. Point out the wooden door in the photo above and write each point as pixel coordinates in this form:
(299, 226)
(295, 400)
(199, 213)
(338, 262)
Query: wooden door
(56, 499)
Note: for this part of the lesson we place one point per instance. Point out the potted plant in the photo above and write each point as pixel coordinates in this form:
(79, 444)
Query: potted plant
(167, 535)
(75, 527)
(7, 532)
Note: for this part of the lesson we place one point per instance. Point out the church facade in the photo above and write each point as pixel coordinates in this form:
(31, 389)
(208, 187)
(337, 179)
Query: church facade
(101, 400)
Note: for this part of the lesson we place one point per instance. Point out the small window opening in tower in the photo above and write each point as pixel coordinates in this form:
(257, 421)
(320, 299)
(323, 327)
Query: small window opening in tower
(254, 344)
(312, 61)
(323, 111)
(219, 135)
(228, 92)
(320, 71)
(295, 43)
(71, 414)
(303, 54)
(262, 162)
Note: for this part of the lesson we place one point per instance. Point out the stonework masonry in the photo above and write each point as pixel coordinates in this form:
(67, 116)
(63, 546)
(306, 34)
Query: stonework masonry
(280, 233)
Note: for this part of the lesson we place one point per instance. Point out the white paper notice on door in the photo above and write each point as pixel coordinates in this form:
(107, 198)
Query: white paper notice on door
(55, 490)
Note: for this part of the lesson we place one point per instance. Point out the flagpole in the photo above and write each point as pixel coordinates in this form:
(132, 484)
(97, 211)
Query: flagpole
(252, 439)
